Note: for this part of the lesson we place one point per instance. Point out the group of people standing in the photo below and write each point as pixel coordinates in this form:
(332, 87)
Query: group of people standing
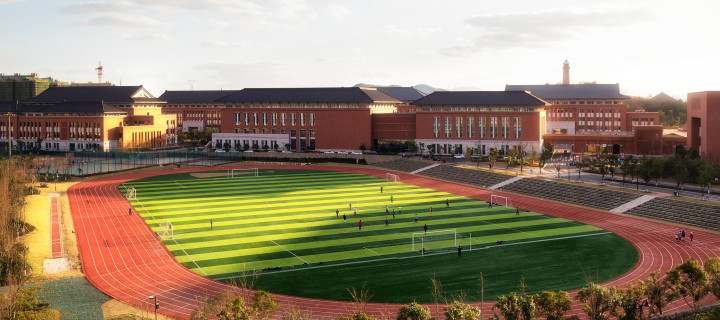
(680, 236)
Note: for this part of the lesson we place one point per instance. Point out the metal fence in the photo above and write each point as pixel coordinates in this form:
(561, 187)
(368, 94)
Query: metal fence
(84, 163)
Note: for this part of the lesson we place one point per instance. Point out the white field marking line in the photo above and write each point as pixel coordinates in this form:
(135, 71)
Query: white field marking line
(516, 230)
(173, 239)
(368, 249)
(427, 254)
(179, 184)
(303, 260)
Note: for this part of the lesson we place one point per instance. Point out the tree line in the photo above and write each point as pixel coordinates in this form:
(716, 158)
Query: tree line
(689, 282)
(673, 112)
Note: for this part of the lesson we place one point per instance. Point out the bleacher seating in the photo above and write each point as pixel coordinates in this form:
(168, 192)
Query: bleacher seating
(571, 193)
(404, 165)
(474, 177)
(679, 211)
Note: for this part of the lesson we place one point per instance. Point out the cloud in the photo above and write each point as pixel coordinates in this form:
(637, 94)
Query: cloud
(409, 31)
(242, 7)
(335, 11)
(100, 7)
(147, 37)
(228, 44)
(122, 20)
(10, 1)
(503, 31)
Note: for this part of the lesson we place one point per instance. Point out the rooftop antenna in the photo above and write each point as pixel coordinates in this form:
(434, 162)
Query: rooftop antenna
(191, 82)
(99, 70)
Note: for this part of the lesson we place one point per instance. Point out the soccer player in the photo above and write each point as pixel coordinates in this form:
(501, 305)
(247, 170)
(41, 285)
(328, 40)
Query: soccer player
(211, 222)
(459, 251)
(386, 209)
(355, 211)
(344, 218)
(416, 218)
(337, 213)
(380, 189)
(391, 199)
(517, 211)
(430, 210)
(425, 227)
(393, 213)
(360, 224)
(350, 204)
(447, 203)
(386, 221)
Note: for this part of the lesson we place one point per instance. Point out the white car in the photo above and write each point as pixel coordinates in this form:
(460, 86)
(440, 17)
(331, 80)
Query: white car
(286, 151)
(356, 152)
(248, 151)
(329, 152)
(219, 150)
(342, 152)
(459, 156)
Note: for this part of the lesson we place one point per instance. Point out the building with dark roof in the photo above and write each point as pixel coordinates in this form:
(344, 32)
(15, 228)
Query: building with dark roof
(195, 109)
(79, 118)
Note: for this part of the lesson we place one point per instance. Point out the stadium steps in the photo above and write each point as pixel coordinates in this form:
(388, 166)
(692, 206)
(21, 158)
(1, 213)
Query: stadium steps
(570, 193)
(403, 165)
(632, 204)
(680, 211)
(423, 169)
(504, 183)
(474, 177)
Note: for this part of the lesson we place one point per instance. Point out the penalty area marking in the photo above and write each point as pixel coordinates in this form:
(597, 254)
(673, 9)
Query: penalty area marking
(368, 249)
(178, 183)
(296, 256)
(421, 256)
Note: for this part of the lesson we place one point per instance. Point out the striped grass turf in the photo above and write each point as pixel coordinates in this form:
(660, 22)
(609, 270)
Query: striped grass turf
(287, 218)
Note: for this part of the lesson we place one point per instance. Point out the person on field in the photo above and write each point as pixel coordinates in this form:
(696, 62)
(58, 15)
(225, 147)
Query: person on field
(360, 224)
(517, 211)
(400, 210)
(692, 236)
(211, 224)
(682, 235)
(416, 218)
(425, 227)
(380, 189)
(355, 211)
(350, 204)
(337, 213)
(393, 213)
(386, 209)
(344, 218)
(459, 251)
(430, 210)
(391, 199)
(386, 221)
(447, 203)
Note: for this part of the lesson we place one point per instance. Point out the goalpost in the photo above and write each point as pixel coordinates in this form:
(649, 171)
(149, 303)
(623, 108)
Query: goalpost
(131, 194)
(166, 230)
(500, 200)
(392, 177)
(239, 172)
(441, 240)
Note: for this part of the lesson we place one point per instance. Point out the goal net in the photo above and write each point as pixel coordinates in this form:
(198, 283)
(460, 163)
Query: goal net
(441, 240)
(130, 193)
(500, 200)
(166, 230)
(242, 172)
(392, 177)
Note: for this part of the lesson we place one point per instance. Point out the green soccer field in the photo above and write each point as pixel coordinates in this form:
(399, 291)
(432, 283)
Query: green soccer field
(282, 219)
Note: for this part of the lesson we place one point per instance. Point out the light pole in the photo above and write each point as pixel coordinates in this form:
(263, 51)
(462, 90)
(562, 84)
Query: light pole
(155, 304)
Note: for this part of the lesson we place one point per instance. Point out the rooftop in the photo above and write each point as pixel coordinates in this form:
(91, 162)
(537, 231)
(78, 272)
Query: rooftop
(482, 98)
(194, 96)
(115, 94)
(88, 107)
(313, 95)
(571, 91)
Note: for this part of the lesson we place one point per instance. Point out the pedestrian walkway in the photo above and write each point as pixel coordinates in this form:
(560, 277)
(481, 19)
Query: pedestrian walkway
(504, 183)
(632, 204)
(423, 169)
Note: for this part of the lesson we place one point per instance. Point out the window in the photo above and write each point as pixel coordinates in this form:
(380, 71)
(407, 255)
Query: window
(246, 117)
(302, 119)
(264, 118)
(505, 127)
(436, 127)
(458, 127)
(292, 119)
(448, 130)
(481, 127)
(470, 124)
(273, 119)
(517, 128)
(255, 118)
(493, 127)
(312, 119)
(283, 119)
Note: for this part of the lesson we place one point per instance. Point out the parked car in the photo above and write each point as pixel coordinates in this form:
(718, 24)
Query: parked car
(459, 156)
(248, 151)
(370, 152)
(219, 150)
(356, 152)
(329, 152)
(342, 152)
(286, 151)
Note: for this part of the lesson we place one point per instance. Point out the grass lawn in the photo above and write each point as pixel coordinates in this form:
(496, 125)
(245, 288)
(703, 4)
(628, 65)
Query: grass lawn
(288, 218)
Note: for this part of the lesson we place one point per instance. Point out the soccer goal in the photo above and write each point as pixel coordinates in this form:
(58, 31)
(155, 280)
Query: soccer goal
(166, 230)
(500, 200)
(240, 172)
(131, 194)
(392, 177)
(441, 240)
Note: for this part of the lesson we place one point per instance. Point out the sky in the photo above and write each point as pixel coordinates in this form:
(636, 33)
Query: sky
(647, 47)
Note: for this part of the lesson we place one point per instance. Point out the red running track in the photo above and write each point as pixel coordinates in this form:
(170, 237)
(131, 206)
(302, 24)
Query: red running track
(55, 238)
(122, 257)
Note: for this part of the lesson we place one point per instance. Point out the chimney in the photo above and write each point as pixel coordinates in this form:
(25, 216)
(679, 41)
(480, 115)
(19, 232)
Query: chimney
(566, 72)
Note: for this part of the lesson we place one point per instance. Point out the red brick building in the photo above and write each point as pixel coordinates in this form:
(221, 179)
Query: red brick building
(703, 121)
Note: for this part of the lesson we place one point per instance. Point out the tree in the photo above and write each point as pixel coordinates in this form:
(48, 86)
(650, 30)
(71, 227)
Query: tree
(657, 292)
(613, 162)
(360, 297)
(690, 282)
(508, 307)
(413, 311)
(657, 168)
(460, 311)
(437, 293)
(553, 305)
(629, 303)
(511, 155)
(598, 301)
(544, 157)
(645, 169)
(706, 176)
(712, 268)
(421, 147)
(627, 167)
(362, 147)
(493, 156)
(218, 145)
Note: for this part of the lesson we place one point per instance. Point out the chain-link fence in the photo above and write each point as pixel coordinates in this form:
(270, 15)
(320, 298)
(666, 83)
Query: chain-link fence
(84, 163)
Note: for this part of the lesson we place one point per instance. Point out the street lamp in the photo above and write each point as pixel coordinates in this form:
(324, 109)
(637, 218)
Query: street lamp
(157, 306)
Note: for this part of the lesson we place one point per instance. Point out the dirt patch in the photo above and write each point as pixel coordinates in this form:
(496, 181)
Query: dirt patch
(114, 309)
(210, 174)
